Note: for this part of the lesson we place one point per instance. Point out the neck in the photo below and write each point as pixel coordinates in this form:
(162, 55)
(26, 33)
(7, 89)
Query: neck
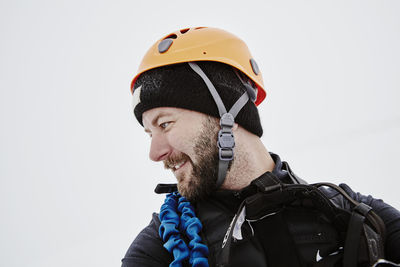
(251, 161)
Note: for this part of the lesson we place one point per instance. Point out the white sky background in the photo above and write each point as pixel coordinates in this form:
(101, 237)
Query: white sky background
(76, 184)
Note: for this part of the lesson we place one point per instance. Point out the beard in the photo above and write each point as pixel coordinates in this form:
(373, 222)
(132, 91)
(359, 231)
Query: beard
(202, 180)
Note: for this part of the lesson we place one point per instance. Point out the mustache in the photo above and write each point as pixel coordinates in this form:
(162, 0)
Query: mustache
(172, 161)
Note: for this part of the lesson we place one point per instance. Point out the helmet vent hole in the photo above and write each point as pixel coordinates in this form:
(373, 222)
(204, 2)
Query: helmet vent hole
(171, 36)
(204, 52)
(198, 28)
(184, 30)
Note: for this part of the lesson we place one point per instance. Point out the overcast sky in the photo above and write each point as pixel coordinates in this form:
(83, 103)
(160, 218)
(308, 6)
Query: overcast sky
(76, 183)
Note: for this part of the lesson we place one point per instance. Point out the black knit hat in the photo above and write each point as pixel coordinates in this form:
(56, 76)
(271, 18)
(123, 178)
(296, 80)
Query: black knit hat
(180, 86)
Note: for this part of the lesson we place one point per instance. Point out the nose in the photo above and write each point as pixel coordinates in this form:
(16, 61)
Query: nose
(160, 148)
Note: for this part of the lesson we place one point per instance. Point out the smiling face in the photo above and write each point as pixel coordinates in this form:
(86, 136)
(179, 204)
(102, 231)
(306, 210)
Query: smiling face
(186, 141)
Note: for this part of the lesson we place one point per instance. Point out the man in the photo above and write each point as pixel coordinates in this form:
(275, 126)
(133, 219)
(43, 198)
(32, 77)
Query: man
(196, 95)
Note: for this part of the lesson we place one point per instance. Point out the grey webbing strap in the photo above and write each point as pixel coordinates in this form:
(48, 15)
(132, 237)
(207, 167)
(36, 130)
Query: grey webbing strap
(211, 88)
(226, 141)
(239, 104)
(222, 170)
(221, 107)
(226, 151)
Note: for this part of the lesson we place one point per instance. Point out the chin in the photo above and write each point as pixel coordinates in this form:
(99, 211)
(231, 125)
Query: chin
(186, 191)
(183, 189)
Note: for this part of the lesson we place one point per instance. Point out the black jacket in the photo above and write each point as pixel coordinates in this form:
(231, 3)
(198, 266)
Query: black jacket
(217, 212)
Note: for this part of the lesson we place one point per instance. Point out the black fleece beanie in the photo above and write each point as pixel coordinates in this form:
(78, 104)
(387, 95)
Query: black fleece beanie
(180, 86)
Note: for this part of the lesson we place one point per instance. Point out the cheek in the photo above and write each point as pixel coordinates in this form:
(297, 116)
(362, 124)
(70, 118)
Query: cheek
(181, 142)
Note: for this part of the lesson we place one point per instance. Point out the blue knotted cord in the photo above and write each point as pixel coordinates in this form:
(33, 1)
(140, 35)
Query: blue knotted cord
(177, 216)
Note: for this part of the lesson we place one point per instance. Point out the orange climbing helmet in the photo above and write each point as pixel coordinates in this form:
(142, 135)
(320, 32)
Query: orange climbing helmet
(203, 44)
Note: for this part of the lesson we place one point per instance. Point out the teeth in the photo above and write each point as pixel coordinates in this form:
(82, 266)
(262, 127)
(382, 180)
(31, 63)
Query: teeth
(177, 166)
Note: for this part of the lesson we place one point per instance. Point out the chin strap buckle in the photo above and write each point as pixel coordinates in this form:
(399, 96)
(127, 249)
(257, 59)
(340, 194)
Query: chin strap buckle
(226, 140)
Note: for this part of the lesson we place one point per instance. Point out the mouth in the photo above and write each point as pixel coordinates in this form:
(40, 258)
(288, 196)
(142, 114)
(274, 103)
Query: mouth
(177, 163)
(178, 166)
(174, 166)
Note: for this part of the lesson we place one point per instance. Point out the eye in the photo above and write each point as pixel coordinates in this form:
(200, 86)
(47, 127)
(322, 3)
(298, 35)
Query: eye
(165, 124)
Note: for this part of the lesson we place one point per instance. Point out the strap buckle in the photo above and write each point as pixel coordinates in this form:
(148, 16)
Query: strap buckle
(226, 140)
(226, 143)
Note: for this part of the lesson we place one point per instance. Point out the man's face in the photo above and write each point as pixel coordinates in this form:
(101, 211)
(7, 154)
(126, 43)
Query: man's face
(186, 141)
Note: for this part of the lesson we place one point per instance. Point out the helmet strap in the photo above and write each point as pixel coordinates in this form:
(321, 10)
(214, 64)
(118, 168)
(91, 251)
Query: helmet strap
(226, 140)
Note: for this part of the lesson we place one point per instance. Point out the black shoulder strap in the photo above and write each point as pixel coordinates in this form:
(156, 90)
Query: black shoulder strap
(362, 217)
(268, 182)
(353, 236)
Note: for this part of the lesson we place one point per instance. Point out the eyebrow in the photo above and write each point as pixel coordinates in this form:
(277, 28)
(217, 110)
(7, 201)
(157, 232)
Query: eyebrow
(154, 121)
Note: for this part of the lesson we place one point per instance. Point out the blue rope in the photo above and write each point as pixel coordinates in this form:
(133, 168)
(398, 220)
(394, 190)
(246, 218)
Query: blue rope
(177, 216)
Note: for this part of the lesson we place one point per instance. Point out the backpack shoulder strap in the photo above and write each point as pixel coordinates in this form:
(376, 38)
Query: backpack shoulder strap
(359, 228)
